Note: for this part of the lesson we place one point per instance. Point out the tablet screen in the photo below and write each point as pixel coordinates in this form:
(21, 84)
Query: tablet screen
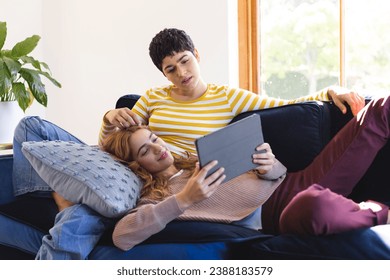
(233, 146)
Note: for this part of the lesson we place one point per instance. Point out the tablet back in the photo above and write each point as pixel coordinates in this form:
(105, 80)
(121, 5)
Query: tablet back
(233, 146)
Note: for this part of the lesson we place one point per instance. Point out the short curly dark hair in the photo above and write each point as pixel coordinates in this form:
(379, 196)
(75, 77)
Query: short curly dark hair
(167, 42)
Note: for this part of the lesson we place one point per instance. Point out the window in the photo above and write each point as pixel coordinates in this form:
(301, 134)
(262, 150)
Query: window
(367, 44)
(305, 45)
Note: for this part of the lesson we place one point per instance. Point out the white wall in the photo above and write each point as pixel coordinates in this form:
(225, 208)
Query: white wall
(98, 49)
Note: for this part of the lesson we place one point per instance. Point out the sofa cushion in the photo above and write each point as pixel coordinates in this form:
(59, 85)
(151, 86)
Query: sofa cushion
(85, 174)
(19, 235)
(187, 240)
(6, 190)
(183, 240)
(10, 253)
(356, 244)
(202, 240)
(296, 132)
(127, 100)
(16, 210)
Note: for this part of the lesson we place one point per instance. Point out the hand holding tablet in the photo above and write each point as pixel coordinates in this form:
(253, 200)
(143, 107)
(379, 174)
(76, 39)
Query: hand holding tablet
(232, 146)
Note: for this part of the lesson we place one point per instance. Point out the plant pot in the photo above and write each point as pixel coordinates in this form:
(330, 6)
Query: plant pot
(10, 115)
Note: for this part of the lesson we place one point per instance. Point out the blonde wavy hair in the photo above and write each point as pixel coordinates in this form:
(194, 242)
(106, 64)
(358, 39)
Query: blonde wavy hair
(155, 187)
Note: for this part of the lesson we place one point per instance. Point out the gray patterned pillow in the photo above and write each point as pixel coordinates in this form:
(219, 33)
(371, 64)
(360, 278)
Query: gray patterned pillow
(85, 174)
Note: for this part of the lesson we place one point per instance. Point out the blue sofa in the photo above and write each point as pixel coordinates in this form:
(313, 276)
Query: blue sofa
(303, 130)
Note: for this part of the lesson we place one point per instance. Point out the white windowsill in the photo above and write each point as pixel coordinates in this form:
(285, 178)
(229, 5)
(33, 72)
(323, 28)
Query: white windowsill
(6, 149)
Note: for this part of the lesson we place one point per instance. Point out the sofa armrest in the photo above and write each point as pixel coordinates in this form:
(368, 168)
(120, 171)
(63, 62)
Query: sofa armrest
(127, 100)
(6, 189)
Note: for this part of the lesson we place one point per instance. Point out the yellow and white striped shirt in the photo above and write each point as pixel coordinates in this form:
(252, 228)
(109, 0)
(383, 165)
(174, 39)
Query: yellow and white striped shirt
(180, 123)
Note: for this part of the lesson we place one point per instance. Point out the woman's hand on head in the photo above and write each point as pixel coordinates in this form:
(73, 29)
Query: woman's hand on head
(200, 187)
(264, 158)
(122, 117)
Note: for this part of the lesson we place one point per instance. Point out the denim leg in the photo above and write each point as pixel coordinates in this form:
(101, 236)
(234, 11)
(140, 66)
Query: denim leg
(77, 229)
(25, 179)
(76, 232)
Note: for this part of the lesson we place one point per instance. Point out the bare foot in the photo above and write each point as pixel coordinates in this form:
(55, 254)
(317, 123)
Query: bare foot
(61, 202)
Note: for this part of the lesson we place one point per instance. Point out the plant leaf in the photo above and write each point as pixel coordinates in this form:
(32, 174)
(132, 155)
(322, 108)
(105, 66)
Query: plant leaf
(47, 75)
(32, 61)
(5, 82)
(13, 65)
(3, 33)
(6, 53)
(35, 84)
(26, 46)
(21, 95)
(45, 65)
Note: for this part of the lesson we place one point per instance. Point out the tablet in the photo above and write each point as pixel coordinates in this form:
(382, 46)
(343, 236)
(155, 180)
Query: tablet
(233, 146)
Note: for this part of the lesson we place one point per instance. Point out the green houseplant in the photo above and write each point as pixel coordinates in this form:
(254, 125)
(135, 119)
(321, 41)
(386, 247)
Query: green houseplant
(20, 74)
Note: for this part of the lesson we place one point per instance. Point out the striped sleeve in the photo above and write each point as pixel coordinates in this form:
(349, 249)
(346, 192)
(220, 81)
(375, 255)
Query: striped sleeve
(141, 107)
(242, 100)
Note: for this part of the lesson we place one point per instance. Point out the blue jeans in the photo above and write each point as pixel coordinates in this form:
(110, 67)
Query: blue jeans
(25, 179)
(78, 228)
(76, 231)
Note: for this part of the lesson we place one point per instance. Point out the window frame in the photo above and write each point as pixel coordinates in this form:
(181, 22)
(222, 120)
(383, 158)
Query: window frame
(248, 45)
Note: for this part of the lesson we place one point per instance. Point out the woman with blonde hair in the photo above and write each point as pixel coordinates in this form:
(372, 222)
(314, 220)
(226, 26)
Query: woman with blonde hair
(267, 199)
